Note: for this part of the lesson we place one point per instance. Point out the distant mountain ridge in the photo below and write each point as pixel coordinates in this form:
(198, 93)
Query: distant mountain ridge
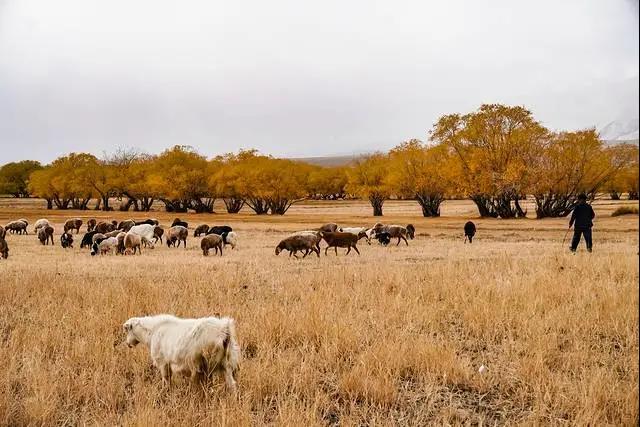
(620, 130)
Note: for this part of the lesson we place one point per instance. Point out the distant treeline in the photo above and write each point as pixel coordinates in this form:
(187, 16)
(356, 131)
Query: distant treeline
(497, 156)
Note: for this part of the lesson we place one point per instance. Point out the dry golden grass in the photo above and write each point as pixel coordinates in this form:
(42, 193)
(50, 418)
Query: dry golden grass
(394, 336)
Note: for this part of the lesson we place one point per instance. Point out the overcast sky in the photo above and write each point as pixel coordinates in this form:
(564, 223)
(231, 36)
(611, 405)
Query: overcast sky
(298, 78)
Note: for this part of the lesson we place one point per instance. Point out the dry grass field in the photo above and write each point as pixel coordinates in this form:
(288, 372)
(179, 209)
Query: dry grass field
(394, 336)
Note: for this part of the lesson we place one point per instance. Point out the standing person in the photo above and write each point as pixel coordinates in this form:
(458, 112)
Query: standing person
(582, 217)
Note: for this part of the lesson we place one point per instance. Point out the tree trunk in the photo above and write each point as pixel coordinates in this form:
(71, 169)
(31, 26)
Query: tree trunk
(259, 206)
(105, 203)
(146, 203)
(49, 204)
(633, 195)
(614, 195)
(484, 205)
(376, 201)
(552, 205)
(430, 204)
(233, 204)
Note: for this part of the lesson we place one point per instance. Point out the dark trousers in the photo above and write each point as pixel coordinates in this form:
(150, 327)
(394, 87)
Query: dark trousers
(579, 232)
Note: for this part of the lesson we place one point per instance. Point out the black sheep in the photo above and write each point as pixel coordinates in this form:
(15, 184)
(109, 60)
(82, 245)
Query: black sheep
(383, 237)
(87, 239)
(219, 229)
(469, 231)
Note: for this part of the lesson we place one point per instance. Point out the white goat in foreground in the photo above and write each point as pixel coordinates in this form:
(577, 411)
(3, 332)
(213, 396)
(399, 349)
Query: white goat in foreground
(191, 347)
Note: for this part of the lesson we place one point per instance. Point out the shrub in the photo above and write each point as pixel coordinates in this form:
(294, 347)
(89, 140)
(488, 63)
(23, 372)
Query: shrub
(625, 210)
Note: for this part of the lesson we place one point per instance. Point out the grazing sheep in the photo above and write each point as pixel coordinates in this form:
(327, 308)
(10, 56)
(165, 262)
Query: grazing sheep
(158, 232)
(126, 225)
(230, 238)
(178, 234)
(42, 222)
(340, 240)
(17, 227)
(201, 229)
(330, 227)
(395, 231)
(96, 237)
(91, 225)
(73, 224)
(469, 231)
(149, 221)
(411, 231)
(132, 242)
(361, 232)
(105, 227)
(103, 246)
(87, 239)
(113, 233)
(302, 241)
(45, 234)
(219, 229)
(3, 232)
(177, 221)
(383, 237)
(146, 233)
(120, 246)
(66, 240)
(4, 248)
(192, 347)
(211, 241)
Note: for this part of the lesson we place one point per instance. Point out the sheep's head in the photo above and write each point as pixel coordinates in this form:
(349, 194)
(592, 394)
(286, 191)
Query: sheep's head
(94, 249)
(279, 248)
(129, 328)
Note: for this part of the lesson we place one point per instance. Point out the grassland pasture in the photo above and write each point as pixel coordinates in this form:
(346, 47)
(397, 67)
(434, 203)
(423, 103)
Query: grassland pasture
(393, 336)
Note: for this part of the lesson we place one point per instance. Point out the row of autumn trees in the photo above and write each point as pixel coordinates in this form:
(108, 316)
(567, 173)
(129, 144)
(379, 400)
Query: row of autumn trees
(497, 156)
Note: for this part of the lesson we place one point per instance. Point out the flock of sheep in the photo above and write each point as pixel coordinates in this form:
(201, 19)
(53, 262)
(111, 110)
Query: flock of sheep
(130, 236)
(197, 348)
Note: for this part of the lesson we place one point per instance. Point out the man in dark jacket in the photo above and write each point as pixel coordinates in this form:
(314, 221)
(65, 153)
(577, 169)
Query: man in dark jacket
(582, 218)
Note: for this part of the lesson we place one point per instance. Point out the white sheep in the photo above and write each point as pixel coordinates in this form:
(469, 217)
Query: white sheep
(110, 244)
(42, 222)
(230, 238)
(191, 347)
(145, 231)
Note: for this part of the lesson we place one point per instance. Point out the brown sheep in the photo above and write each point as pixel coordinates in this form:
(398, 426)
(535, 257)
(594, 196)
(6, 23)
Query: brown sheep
(113, 233)
(45, 234)
(340, 240)
(201, 229)
(395, 231)
(303, 241)
(177, 234)
(158, 232)
(3, 232)
(4, 248)
(91, 224)
(17, 227)
(73, 224)
(126, 225)
(211, 241)
(105, 227)
(132, 242)
(331, 227)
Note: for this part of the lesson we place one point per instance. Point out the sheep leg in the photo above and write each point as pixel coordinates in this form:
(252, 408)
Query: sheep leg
(356, 249)
(229, 380)
(405, 240)
(348, 250)
(221, 246)
(325, 250)
(336, 248)
(165, 372)
(317, 251)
